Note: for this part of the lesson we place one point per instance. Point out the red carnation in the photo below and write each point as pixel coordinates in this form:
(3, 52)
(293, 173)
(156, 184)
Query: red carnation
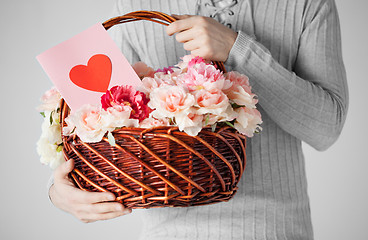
(126, 95)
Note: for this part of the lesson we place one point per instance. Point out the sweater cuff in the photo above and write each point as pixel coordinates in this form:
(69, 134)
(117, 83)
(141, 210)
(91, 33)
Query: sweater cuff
(239, 50)
(49, 184)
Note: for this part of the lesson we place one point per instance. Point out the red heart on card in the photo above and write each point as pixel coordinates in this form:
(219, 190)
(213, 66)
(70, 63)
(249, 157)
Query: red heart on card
(95, 76)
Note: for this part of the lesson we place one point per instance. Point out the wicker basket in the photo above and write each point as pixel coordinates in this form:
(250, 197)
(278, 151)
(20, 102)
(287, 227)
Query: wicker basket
(162, 166)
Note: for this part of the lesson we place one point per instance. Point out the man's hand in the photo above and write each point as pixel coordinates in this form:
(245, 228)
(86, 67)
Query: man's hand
(203, 36)
(86, 206)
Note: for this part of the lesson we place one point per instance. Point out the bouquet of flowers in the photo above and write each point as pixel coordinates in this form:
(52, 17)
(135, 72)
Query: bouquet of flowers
(190, 95)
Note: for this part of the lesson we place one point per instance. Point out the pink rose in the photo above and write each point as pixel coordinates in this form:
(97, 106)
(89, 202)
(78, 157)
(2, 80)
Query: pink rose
(149, 84)
(187, 58)
(167, 78)
(91, 123)
(143, 70)
(153, 122)
(240, 91)
(236, 80)
(242, 98)
(166, 70)
(226, 116)
(191, 123)
(183, 65)
(118, 116)
(211, 101)
(87, 122)
(190, 61)
(202, 76)
(50, 100)
(127, 96)
(248, 121)
(169, 101)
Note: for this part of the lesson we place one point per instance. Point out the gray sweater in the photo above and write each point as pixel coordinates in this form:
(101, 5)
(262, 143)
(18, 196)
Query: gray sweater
(291, 51)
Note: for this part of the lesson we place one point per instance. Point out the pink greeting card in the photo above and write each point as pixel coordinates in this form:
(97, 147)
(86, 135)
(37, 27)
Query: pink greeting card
(85, 66)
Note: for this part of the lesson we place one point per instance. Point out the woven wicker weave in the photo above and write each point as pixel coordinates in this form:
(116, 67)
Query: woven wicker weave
(162, 166)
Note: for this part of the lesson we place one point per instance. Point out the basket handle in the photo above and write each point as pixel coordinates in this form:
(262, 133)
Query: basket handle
(153, 16)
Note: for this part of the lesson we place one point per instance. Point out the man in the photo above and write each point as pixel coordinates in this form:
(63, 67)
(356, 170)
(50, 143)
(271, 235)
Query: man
(291, 52)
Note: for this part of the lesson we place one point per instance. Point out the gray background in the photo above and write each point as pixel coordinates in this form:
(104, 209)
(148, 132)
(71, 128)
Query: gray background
(337, 177)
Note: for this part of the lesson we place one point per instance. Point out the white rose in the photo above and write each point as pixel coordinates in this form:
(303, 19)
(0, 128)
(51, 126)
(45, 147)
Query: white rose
(51, 132)
(49, 153)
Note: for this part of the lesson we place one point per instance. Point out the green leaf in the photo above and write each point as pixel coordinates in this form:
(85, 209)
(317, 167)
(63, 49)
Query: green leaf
(111, 139)
(51, 119)
(172, 121)
(230, 124)
(213, 127)
(43, 114)
(207, 119)
(72, 132)
(234, 105)
(59, 148)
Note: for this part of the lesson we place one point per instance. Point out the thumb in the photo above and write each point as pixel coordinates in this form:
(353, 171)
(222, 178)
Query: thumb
(63, 170)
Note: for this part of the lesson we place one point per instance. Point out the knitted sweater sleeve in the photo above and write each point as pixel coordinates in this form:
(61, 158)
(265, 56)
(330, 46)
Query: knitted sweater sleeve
(310, 102)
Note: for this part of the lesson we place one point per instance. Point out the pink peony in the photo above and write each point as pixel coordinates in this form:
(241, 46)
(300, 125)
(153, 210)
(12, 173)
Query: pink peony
(127, 96)
(195, 60)
(166, 70)
(187, 58)
(143, 70)
(202, 76)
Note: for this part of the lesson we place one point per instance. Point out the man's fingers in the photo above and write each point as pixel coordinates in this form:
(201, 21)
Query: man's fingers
(191, 45)
(105, 207)
(100, 211)
(63, 170)
(185, 36)
(92, 217)
(181, 25)
(80, 196)
(199, 52)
